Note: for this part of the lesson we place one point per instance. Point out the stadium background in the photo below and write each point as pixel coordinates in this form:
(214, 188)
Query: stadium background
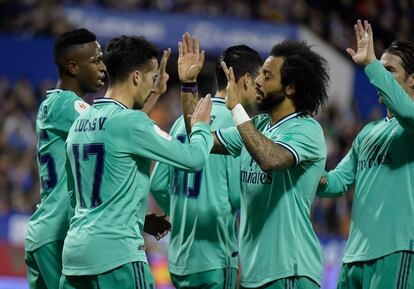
(27, 28)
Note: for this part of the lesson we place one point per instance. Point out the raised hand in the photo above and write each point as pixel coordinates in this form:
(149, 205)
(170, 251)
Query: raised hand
(365, 53)
(232, 97)
(202, 112)
(190, 59)
(160, 84)
(157, 226)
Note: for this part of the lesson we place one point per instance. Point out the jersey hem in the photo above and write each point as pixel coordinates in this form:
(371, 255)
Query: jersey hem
(31, 246)
(180, 271)
(263, 281)
(102, 268)
(371, 256)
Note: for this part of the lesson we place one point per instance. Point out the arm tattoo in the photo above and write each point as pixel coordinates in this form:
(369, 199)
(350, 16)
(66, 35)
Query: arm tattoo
(188, 102)
(267, 154)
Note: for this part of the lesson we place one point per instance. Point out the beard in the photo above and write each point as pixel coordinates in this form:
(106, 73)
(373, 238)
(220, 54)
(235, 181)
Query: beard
(271, 100)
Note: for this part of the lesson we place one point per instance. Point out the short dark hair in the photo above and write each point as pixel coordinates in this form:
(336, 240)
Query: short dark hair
(243, 59)
(125, 53)
(307, 71)
(405, 51)
(69, 39)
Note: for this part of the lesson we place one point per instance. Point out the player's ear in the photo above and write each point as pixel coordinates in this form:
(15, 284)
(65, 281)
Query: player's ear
(411, 81)
(247, 81)
(290, 90)
(73, 68)
(136, 77)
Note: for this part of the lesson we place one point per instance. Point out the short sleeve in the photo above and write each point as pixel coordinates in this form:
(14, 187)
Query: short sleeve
(304, 140)
(230, 138)
(68, 111)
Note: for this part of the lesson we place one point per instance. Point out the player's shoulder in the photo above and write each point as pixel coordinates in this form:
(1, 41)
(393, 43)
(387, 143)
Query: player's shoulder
(369, 127)
(134, 118)
(305, 121)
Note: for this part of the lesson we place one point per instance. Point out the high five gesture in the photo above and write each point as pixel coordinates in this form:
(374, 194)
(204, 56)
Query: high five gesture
(365, 53)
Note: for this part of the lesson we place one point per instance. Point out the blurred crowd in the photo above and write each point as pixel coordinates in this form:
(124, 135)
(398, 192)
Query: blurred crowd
(332, 20)
(19, 184)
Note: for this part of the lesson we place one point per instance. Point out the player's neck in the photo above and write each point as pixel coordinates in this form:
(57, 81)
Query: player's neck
(121, 94)
(221, 94)
(389, 114)
(65, 83)
(281, 110)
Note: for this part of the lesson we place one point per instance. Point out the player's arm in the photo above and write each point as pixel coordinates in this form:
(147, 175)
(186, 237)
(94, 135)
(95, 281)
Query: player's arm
(150, 142)
(160, 179)
(218, 147)
(336, 182)
(268, 155)
(190, 63)
(393, 95)
(160, 84)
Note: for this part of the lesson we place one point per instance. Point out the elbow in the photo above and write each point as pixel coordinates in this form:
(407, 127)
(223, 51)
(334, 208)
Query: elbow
(266, 166)
(197, 164)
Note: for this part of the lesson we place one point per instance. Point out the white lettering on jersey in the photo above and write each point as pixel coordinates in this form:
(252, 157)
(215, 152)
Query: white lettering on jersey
(80, 106)
(162, 133)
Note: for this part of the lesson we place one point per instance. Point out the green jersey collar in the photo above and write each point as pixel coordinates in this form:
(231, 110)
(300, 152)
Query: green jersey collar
(108, 100)
(218, 100)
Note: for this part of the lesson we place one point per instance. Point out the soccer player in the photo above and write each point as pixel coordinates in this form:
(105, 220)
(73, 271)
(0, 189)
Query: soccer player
(380, 163)
(282, 154)
(79, 61)
(202, 252)
(110, 148)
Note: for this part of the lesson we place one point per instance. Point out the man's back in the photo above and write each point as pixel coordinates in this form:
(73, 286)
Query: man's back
(56, 114)
(110, 191)
(202, 205)
(110, 148)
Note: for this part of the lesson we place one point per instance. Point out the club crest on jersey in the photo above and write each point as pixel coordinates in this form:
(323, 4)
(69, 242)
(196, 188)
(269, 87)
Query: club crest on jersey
(80, 106)
(162, 133)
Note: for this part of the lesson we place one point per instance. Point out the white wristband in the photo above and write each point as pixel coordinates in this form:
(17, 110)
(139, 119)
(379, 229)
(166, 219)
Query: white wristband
(239, 115)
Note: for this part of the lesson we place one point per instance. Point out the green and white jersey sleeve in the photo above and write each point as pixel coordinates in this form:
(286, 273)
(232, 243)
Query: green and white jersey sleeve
(276, 235)
(110, 148)
(55, 116)
(202, 206)
(395, 97)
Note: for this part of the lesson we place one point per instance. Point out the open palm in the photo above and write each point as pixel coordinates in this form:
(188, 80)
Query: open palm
(365, 53)
(190, 59)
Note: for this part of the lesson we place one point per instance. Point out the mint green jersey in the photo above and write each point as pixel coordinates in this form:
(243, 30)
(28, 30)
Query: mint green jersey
(381, 165)
(110, 148)
(56, 114)
(276, 235)
(201, 205)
